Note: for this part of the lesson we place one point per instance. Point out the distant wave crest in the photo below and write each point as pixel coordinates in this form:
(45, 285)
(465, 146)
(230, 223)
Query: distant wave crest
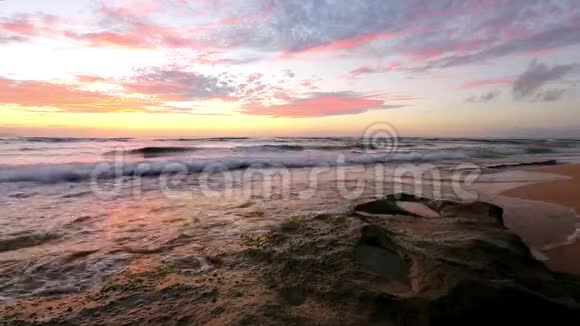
(156, 151)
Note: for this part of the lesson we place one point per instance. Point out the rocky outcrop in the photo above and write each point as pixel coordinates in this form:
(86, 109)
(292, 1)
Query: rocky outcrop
(379, 265)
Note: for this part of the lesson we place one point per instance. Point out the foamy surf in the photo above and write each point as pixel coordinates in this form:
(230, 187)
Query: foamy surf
(110, 169)
(570, 239)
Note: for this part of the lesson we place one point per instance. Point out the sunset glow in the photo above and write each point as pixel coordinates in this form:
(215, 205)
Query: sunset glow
(268, 67)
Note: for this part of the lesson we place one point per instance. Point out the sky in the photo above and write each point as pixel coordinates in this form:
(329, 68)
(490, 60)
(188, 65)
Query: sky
(484, 68)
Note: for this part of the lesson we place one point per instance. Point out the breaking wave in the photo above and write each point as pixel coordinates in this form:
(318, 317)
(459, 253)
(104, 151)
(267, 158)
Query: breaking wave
(84, 171)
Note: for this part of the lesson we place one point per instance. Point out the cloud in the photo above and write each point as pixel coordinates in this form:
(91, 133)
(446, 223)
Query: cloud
(365, 70)
(496, 29)
(90, 79)
(430, 34)
(174, 84)
(341, 44)
(109, 39)
(255, 77)
(487, 82)
(131, 32)
(149, 89)
(484, 98)
(135, 7)
(11, 39)
(67, 98)
(549, 95)
(27, 25)
(296, 26)
(118, 26)
(322, 104)
(538, 74)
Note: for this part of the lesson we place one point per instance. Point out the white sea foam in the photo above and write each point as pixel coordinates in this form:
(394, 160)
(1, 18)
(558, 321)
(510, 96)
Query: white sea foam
(107, 170)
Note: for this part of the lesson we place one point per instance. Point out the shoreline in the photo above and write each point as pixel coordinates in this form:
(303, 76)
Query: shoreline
(562, 258)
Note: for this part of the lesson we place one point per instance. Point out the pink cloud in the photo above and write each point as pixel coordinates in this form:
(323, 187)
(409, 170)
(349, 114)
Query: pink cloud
(65, 97)
(487, 82)
(255, 77)
(391, 66)
(365, 70)
(109, 39)
(90, 78)
(422, 56)
(31, 26)
(250, 18)
(20, 27)
(135, 7)
(343, 44)
(320, 105)
(309, 84)
(133, 32)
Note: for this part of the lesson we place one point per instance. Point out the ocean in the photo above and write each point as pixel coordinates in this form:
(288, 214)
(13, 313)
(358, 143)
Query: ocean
(77, 210)
(53, 160)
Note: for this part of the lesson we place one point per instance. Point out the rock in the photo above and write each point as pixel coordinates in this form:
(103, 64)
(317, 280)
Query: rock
(385, 206)
(382, 262)
(189, 264)
(487, 303)
(294, 296)
(419, 209)
(406, 197)
(289, 226)
(477, 210)
(394, 270)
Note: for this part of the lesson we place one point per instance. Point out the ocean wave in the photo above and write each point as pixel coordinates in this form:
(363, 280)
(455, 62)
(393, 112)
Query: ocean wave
(216, 139)
(539, 150)
(84, 171)
(499, 152)
(54, 139)
(297, 148)
(25, 240)
(285, 148)
(69, 139)
(156, 151)
(494, 152)
(523, 164)
(30, 149)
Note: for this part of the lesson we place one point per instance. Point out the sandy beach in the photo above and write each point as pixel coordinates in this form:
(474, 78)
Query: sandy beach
(562, 192)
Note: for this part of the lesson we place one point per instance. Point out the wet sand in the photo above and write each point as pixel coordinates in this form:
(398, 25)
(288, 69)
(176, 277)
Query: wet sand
(566, 192)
